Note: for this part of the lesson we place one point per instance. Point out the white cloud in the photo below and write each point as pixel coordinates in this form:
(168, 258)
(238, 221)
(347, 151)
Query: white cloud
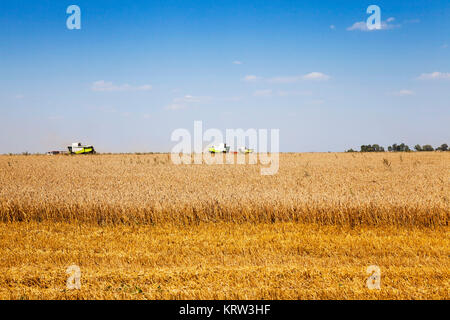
(187, 100)
(282, 93)
(251, 78)
(293, 79)
(404, 92)
(332, 27)
(386, 25)
(434, 76)
(263, 93)
(362, 25)
(145, 87)
(104, 86)
(237, 62)
(316, 76)
(445, 45)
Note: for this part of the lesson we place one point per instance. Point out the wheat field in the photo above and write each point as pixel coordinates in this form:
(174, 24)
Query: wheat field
(141, 227)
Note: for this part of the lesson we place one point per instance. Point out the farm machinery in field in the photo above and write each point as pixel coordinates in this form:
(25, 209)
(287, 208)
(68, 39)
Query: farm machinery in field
(220, 148)
(223, 148)
(245, 150)
(78, 148)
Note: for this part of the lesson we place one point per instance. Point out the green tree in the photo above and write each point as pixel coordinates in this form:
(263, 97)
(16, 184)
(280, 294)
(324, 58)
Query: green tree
(372, 148)
(399, 148)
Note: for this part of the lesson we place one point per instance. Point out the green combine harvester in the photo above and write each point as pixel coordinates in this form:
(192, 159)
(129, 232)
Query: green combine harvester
(78, 148)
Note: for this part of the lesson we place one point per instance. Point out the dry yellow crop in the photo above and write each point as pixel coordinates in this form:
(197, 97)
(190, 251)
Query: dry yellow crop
(140, 227)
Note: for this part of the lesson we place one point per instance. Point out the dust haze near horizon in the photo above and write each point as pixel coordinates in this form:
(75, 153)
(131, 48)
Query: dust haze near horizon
(134, 73)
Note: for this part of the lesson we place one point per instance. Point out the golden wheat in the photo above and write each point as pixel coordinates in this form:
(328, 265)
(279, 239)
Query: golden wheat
(141, 227)
(336, 189)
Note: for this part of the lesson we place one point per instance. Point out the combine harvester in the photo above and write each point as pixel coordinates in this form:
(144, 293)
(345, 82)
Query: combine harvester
(78, 148)
(220, 148)
(245, 150)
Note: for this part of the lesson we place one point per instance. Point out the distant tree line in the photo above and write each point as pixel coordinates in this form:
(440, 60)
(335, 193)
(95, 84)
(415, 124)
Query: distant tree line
(427, 147)
(372, 148)
(400, 148)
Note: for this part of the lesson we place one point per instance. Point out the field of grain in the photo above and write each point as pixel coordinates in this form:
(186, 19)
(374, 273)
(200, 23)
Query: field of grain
(140, 227)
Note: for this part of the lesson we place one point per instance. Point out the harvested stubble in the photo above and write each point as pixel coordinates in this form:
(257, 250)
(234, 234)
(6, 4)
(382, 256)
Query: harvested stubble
(326, 189)
(281, 260)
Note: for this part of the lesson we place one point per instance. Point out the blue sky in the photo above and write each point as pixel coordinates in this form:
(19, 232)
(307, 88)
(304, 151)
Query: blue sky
(138, 70)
